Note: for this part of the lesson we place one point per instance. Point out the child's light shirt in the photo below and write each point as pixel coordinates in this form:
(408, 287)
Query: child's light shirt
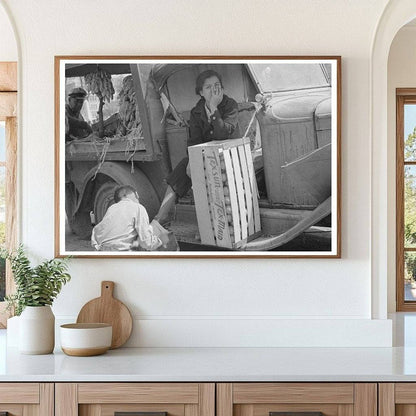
(123, 224)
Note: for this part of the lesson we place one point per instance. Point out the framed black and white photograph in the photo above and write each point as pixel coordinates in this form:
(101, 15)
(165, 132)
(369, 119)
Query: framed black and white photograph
(198, 156)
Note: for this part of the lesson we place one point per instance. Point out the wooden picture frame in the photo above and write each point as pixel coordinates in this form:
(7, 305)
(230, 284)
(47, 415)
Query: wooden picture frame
(268, 185)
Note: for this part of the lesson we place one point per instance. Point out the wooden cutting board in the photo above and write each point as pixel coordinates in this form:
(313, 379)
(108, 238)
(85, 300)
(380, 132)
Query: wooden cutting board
(107, 309)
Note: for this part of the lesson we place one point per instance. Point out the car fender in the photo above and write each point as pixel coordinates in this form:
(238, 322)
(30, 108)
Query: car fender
(121, 173)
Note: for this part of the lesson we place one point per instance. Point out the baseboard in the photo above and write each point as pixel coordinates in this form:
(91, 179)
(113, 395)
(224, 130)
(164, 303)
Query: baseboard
(258, 332)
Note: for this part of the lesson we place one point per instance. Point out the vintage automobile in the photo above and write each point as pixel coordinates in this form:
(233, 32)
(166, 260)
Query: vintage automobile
(285, 110)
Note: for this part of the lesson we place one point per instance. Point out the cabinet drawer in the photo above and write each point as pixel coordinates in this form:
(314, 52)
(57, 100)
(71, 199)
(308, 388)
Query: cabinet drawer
(138, 393)
(107, 399)
(296, 399)
(19, 393)
(21, 399)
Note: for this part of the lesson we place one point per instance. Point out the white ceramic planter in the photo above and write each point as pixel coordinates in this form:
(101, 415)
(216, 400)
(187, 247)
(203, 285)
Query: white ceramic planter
(37, 330)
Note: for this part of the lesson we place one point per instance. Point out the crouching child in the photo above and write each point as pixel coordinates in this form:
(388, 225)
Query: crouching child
(125, 226)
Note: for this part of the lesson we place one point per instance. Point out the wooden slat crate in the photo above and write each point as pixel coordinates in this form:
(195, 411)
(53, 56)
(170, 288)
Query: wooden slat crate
(225, 192)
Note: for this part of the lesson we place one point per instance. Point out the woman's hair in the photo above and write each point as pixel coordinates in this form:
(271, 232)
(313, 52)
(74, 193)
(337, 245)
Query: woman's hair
(123, 191)
(204, 76)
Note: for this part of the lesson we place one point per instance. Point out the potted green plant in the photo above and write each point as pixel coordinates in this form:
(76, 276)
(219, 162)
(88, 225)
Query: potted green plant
(36, 289)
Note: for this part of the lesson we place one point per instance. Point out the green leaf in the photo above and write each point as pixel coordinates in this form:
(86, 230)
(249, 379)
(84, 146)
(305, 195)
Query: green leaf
(35, 286)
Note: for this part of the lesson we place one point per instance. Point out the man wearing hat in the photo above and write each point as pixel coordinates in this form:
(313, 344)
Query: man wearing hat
(75, 125)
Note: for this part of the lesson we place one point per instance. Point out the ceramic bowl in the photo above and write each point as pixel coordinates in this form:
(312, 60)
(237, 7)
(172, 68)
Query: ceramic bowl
(83, 340)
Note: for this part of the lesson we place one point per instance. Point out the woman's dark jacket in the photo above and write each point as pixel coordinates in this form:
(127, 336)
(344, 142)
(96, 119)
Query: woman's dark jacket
(223, 123)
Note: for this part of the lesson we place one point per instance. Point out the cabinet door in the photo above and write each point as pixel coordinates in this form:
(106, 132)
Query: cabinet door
(397, 399)
(144, 399)
(296, 399)
(26, 399)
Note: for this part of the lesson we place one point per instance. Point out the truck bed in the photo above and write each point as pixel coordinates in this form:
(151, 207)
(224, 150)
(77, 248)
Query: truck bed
(107, 149)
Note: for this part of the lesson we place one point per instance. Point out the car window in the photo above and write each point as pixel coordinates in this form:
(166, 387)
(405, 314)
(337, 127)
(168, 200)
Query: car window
(90, 107)
(288, 77)
(181, 84)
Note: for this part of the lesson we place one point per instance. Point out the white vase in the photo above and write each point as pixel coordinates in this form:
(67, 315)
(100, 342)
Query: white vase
(37, 330)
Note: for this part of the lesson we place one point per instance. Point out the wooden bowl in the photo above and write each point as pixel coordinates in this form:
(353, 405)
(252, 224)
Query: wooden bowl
(84, 340)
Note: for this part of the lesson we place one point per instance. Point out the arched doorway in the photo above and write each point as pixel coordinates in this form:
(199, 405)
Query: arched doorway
(396, 14)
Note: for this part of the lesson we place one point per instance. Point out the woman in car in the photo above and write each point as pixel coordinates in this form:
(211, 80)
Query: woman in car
(214, 117)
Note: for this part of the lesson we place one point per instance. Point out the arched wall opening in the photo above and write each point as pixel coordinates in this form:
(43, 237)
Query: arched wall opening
(401, 74)
(396, 14)
(8, 45)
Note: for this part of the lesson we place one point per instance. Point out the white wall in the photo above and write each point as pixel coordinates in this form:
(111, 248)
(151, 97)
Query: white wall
(179, 302)
(401, 74)
(8, 47)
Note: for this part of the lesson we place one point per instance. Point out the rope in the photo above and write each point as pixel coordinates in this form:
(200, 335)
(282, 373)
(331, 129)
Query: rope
(102, 156)
(131, 155)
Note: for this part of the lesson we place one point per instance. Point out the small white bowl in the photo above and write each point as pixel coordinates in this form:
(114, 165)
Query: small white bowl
(83, 340)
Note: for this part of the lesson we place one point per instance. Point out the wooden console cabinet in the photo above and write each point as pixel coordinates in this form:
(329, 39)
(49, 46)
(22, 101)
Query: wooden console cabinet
(208, 399)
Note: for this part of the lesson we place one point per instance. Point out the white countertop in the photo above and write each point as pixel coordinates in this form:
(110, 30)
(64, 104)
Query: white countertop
(213, 364)
(222, 364)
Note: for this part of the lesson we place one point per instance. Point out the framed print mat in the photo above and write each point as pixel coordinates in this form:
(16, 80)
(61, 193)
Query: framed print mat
(198, 156)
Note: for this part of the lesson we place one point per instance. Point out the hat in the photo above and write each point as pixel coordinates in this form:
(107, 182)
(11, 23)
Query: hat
(78, 93)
